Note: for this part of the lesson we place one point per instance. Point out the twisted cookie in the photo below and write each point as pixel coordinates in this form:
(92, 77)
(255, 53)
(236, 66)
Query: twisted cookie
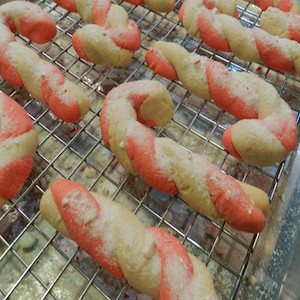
(269, 132)
(111, 40)
(21, 66)
(151, 259)
(284, 25)
(166, 166)
(155, 5)
(225, 33)
(18, 141)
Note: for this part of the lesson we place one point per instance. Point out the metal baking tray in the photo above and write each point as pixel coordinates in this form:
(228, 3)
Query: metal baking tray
(38, 263)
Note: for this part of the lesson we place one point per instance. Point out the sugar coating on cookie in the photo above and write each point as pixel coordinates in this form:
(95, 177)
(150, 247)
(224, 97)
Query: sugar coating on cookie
(152, 260)
(268, 132)
(18, 142)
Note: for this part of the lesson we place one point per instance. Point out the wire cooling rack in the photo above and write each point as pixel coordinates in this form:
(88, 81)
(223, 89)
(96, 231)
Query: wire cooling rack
(38, 263)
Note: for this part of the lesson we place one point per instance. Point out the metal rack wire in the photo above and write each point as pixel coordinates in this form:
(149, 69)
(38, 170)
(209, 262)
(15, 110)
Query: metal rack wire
(53, 267)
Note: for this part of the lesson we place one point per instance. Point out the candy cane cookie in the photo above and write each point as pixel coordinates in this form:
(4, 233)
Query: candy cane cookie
(18, 142)
(225, 33)
(284, 25)
(155, 5)
(168, 167)
(112, 38)
(152, 260)
(21, 66)
(268, 132)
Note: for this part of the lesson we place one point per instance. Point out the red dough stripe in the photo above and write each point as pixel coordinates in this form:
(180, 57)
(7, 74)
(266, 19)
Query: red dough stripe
(169, 248)
(294, 28)
(8, 71)
(8, 21)
(70, 111)
(143, 159)
(136, 2)
(227, 142)
(16, 117)
(127, 38)
(77, 45)
(284, 130)
(100, 11)
(64, 189)
(159, 65)
(210, 34)
(271, 55)
(209, 4)
(220, 87)
(264, 4)
(286, 5)
(39, 31)
(181, 12)
(138, 101)
(13, 176)
(240, 214)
